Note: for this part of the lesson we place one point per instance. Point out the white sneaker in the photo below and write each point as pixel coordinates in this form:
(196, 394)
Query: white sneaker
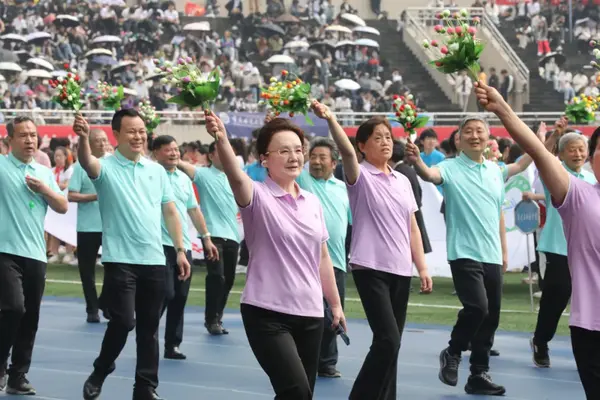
(75, 262)
(68, 259)
(62, 250)
(55, 259)
(241, 269)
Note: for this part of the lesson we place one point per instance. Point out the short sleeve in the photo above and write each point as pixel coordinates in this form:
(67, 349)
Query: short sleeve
(325, 232)
(104, 168)
(359, 179)
(504, 172)
(413, 208)
(191, 200)
(69, 172)
(444, 168)
(50, 181)
(199, 175)
(167, 191)
(349, 215)
(76, 181)
(573, 198)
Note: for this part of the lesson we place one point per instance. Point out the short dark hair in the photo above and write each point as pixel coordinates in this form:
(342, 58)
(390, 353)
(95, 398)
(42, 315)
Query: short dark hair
(10, 127)
(269, 130)
(119, 115)
(398, 151)
(328, 143)
(594, 142)
(366, 129)
(161, 141)
(428, 134)
(212, 147)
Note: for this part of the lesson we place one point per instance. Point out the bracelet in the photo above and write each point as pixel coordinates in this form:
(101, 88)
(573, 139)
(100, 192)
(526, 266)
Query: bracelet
(205, 236)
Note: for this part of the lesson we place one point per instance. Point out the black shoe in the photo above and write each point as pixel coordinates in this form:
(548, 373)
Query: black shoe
(494, 353)
(18, 384)
(223, 330)
(93, 318)
(93, 387)
(329, 372)
(449, 367)
(3, 379)
(541, 358)
(482, 384)
(173, 353)
(214, 328)
(145, 394)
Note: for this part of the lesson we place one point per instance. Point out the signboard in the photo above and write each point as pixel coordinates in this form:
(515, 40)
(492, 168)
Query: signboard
(527, 216)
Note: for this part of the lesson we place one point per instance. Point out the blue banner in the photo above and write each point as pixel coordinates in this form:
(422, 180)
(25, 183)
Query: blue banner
(241, 124)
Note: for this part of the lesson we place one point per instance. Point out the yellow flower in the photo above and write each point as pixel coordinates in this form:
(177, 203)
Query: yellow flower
(273, 79)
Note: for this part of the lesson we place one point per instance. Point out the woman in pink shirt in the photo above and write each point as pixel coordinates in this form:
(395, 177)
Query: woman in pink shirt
(386, 241)
(578, 203)
(289, 271)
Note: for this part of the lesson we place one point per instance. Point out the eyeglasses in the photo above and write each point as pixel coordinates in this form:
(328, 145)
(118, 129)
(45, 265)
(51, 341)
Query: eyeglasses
(286, 152)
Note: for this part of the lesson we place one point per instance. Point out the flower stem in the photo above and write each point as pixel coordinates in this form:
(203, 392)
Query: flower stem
(472, 72)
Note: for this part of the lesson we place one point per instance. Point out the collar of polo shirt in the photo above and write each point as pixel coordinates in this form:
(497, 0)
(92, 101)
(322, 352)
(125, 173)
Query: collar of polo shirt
(124, 161)
(20, 164)
(277, 191)
(374, 171)
(470, 163)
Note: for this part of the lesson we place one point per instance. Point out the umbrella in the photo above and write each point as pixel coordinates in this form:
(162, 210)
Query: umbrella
(371, 84)
(338, 28)
(154, 77)
(281, 59)
(367, 43)
(59, 73)
(271, 29)
(67, 20)
(41, 63)
(8, 56)
(344, 43)
(121, 65)
(130, 92)
(296, 44)
(558, 58)
(2, 78)
(106, 39)
(10, 66)
(309, 54)
(287, 18)
(347, 84)
(203, 26)
(353, 19)
(104, 60)
(39, 73)
(38, 37)
(366, 29)
(13, 37)
(325, 43)
(22, 55)
(98, 52)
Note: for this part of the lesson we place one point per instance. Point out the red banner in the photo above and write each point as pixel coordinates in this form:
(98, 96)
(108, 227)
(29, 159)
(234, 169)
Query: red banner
(443, 132)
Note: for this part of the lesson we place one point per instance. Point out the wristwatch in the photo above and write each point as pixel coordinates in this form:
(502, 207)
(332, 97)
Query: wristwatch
(181, 250)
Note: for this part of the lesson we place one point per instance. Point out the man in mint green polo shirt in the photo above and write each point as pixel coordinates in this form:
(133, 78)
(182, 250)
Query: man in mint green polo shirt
(220, 210)
(27, 189)
(89, 225)
(573, 151)
(134, 195)
(332, 193)
(476, 246)
(167, 153)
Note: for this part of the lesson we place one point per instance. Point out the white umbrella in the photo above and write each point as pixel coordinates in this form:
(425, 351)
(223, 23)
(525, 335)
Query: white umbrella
(10, 66)
(106, 39)
(121, 65)
(59, 74)
(38, 36)
(347, 84)
(2, 78)
(41, 63)
(345, 43)
(39, 73)
(281, 59)
(296, 44)
(354, 19)
(98, 52)
(68, 20)
(129, 92)
(367, 43)
(366, 29)
(203, 26)
(338, 28)
(13, 37)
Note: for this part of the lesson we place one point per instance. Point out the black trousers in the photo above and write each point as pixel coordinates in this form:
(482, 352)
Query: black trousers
(287, 348)
(134, 296)
(176, 295)
(586, 349)
(22, 283)
(555, 297)
(384, 298)
(479, 289)
(219, 279)
(329, 350)
(88, 245)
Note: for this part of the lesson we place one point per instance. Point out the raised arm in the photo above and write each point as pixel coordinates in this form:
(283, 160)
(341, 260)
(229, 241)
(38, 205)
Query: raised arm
(240, 182)
(88, 162)
(349, 159)
(187, 169)
(550, 168)
(432, 175)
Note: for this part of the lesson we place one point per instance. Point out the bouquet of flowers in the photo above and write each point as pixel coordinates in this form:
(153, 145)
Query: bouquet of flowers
(110, 96)
(148, 113)
(68, 93)
(582, 109)
(459, 47)
(288, 95)
(406, 115)
(195, 89)
(492, 151)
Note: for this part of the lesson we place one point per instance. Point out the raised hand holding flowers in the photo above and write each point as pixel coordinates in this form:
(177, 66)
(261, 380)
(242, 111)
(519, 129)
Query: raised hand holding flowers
(288, 95)
(110, 96)
(68, 93)
(148, 114)
(582, 109)
(406, 115)
(195, 89)
(459, 48)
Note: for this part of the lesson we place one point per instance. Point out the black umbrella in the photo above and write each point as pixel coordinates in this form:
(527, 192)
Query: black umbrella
(559, 59)
(308, 54)
(324, 43)
(270, 29)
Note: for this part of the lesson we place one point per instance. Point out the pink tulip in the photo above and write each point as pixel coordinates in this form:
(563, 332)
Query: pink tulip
(476, 20)
(458, 30)
(450, 31)
(438, 28)
(444, 50)
(434, 43)
(472, 30)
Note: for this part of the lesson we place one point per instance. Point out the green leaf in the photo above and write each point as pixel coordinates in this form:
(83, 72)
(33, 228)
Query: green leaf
(177, 100)
(420, 122)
